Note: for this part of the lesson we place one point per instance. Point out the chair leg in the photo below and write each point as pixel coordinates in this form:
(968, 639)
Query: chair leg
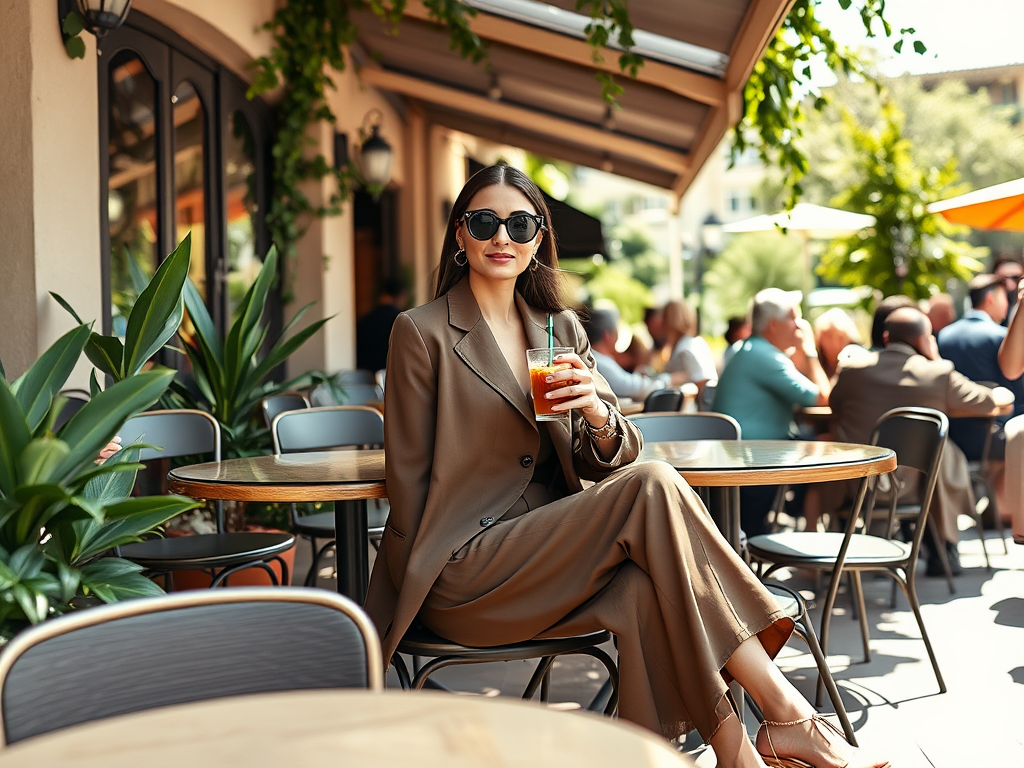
(976, 517)
(314, 568)
(402, 670)
(940, 551)
(910, 590)
(806, 633)
(858, 591)
(999, 523)
(223, 576)
(540, 676)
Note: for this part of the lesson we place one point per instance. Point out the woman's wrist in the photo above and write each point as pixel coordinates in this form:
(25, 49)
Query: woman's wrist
(599, 417)
(608, 430)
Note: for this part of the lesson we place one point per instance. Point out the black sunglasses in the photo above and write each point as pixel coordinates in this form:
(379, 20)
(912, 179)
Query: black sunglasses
(521, 227)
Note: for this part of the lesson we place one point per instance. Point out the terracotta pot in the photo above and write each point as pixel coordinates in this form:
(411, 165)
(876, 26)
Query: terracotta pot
(250, 577)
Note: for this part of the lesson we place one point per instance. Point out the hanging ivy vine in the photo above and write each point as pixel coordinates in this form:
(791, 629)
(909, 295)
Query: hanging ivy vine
(311, 37)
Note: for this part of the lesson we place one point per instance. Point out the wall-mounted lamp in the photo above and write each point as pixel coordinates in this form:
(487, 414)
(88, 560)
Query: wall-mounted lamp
(375, 155)
(97, 16)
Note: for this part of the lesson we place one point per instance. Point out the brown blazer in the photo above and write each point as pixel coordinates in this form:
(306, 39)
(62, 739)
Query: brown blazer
(461, 440)
(868, 385)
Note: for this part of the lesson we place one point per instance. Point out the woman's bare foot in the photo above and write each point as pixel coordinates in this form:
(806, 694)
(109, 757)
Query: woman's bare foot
(812, 742)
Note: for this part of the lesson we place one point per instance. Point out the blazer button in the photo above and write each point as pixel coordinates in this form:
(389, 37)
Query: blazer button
(526, 461)
(484, 522)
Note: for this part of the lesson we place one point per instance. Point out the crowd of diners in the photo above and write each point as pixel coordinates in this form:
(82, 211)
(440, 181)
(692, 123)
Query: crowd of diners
(776, 362)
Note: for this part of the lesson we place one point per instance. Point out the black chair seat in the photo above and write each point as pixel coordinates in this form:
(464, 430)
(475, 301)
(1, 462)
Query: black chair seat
(810, 549)
(214, 550)
(319, 524)
(420, 641)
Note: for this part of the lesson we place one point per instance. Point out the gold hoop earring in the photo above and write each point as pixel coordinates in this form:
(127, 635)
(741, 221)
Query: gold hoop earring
(534, 263)
(465, 258)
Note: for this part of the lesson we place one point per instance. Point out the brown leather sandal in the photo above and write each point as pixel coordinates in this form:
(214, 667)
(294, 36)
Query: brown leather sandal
(773, 760)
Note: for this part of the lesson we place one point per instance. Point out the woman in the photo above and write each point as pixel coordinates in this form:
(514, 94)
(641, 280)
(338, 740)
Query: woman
(493, 538)
(690, 353)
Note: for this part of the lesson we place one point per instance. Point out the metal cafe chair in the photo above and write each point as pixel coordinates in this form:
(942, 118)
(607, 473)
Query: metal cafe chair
(664, 400)
(917, 436)
(317, 429)
(190, 646)
(658, 427)
(190, 433)
(286, 401)
(355, 394)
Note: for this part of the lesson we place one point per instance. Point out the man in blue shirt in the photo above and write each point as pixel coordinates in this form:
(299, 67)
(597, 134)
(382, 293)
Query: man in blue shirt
(771, 373)
(972, 345)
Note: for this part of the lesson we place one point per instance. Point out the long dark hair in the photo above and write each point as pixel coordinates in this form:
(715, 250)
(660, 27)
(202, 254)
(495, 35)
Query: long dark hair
(541, 286)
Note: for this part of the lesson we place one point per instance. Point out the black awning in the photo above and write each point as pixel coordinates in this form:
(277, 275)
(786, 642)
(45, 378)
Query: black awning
(579, 234)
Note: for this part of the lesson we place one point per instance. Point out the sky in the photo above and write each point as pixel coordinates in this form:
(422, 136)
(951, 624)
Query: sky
(959, 34)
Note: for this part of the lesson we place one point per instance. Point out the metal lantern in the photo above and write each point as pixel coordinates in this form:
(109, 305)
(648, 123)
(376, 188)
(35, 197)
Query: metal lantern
(375, 155)
(103, 16)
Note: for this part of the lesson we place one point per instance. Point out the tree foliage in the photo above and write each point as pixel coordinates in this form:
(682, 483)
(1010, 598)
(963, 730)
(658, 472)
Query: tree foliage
(942, 124)
(909, 250)
(774, 105)
(749, 264)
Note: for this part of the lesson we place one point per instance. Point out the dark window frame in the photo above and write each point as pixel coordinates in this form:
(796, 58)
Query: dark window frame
(171, 59)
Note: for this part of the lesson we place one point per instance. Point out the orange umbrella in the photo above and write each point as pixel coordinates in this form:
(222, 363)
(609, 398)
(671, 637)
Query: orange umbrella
(998, 207)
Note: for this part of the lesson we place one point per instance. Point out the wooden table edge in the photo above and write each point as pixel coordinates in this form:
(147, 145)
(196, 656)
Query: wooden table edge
(702, 478)
(197, 489)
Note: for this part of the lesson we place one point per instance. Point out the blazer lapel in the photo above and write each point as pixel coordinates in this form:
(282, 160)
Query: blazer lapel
(480, 351)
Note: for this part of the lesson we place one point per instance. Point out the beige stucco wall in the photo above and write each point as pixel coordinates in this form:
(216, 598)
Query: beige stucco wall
(49, 196)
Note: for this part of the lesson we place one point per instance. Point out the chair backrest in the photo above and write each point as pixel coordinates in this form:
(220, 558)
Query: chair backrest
(659, 427)
(355, 394)
(77, 399)
(332, 427)
(287, 401)
(189, 646)
(356, 376)
(917, 436)
(177, 432)
(661, 400)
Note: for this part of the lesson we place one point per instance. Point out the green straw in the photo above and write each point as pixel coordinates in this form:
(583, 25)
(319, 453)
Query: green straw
(551, 340)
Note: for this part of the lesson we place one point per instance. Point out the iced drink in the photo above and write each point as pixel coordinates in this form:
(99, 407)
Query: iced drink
(541, 366)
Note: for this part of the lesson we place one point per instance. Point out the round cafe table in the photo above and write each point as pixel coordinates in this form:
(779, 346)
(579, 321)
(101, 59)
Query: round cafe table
(356, 729)
(728, 464)
(348, 478)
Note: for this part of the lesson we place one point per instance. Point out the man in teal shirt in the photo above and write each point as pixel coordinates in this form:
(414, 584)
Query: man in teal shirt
(774, 371)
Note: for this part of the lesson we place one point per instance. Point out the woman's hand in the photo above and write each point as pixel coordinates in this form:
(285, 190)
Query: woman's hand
(579, 392)
(111, 448)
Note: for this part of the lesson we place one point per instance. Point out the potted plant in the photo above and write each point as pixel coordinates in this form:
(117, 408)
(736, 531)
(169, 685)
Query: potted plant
(60, 513)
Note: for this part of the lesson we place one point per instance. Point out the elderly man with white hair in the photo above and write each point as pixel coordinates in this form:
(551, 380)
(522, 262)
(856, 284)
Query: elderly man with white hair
(772, 372)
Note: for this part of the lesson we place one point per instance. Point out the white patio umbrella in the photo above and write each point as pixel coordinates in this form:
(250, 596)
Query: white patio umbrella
(808, 222)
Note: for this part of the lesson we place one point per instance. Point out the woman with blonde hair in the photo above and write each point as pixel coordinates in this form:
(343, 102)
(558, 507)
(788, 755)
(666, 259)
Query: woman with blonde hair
(690, 353)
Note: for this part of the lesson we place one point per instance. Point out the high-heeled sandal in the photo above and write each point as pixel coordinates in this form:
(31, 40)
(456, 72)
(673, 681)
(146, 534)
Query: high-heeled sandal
(773, 760)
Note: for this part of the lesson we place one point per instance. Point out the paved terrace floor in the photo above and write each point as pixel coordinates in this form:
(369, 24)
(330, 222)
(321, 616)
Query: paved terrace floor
(893, 701)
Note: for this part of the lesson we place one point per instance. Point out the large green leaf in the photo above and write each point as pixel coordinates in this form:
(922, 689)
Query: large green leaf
(92, 427)
(206, 332)
(139, 278)
(158, 311)
(40, 460)
(250, 312)
(36, 388)
(113, 578)
(127, 521)
(14, 436)
(60, 300)
(116, 478)
(283, 349)
(106, 353)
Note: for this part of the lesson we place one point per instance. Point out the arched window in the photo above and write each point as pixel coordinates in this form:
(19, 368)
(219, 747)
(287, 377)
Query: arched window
(181, 150)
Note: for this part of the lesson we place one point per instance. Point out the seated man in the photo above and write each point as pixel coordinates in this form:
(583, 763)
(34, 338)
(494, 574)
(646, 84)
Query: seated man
(771, 373)
(909, 372)
(602, 326)
(972, 345)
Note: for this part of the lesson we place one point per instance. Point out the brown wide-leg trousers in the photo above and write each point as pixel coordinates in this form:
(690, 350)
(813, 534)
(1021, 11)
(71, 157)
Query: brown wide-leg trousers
(637, 554)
